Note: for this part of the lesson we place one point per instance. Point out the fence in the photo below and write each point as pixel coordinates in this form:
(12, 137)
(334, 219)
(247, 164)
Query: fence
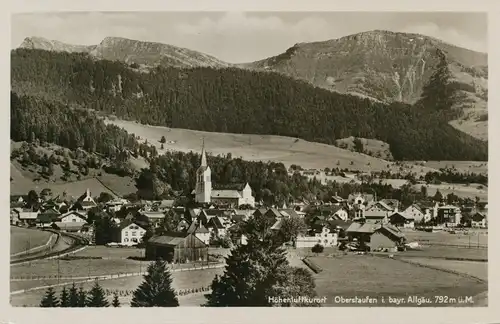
(50, 242)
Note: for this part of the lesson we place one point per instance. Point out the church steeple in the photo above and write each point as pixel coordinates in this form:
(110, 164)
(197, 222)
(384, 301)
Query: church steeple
(203, 155)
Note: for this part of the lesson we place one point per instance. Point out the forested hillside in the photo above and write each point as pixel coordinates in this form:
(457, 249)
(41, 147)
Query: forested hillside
(238, 101)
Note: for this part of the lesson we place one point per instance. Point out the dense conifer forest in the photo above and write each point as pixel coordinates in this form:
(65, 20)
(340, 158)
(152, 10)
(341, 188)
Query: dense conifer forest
(236, 101)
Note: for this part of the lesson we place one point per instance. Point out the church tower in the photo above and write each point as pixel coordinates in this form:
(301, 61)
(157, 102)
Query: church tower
(203, 190)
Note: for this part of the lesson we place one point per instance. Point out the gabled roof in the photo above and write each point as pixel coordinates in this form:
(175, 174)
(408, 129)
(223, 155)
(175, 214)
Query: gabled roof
(153, 214)
(273, 212)
(392, 203)
(367, 228)
(82, 216)
(403, 215)
(375, 214)
(69, 225)
(289, 212)
(448, 207)
(417, 207)
(125, 223)
(477, 217)
(225, 194)
(196, 227)
(215, 222)
(170, 239)
(230, 186)
(339, 223)
(277, 225)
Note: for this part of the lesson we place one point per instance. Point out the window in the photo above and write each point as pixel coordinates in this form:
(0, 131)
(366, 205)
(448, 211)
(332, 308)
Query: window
(134, 233)
(125, 240)
(74, 220)
(126, 233)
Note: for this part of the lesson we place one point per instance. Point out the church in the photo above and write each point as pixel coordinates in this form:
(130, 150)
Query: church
(233, 195)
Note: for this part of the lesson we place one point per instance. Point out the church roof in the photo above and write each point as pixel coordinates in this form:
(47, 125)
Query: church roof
(225, 194)
(230, 186)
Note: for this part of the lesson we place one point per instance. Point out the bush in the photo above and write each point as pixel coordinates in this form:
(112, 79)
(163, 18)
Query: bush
(318, 248)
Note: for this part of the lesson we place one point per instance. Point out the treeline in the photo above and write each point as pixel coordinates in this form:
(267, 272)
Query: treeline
(240, 101)
(450, 176)
(36, 120)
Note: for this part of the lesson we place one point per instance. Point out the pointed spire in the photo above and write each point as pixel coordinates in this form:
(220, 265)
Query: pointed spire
(203, 155)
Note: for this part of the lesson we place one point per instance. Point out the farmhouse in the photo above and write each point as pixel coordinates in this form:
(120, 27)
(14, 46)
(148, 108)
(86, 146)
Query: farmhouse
(199, 231)
(479, 220)
(70, 222)
(233, 196)
(448, 215)
(47, 217)
(326, 238)
(176, 247)
(130, 233)
(375, 236)
(402, 220)
(376, 216)
(416, 212)
(154, 217)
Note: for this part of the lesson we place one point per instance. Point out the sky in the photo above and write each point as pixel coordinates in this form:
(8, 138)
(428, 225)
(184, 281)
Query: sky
(238, 37)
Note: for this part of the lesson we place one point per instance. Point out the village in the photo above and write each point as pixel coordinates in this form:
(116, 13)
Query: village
(375, 223)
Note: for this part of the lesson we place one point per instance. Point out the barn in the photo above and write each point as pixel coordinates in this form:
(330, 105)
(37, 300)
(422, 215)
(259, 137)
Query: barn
(175, 247)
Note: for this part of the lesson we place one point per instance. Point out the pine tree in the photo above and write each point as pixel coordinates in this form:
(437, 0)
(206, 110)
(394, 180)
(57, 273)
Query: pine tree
(73, 296)
(255, 271)
(64, 300)
(96, 297)
(50, 299)
(156, 289)
(116, 301)
(82, 297)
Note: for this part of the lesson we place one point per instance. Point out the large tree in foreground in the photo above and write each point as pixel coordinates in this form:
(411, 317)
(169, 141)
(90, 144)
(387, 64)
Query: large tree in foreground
(50, 299)
(156, 289)
(258, 271)
(96, 297)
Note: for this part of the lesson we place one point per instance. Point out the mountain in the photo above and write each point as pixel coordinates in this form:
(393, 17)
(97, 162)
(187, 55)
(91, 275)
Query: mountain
(387, 66)
(131, 51)
(234, 100)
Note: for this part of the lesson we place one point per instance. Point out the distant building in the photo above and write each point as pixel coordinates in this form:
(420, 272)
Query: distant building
(375, 236)
(177, 248)
(86, 201)
(204, 194)
(326, 238)
(448, 215)
(402, 220)
(479, 220)
(130, 233)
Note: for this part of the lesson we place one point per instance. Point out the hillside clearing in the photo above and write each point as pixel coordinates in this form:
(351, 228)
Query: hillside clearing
(287, 150)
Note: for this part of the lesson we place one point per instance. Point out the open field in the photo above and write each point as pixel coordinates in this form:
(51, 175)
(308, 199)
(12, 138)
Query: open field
(181, 280)
(110, 252)
(22, 239)
(363, 275)
(471, 268)
(473, 239)
(283, 149)
(461, 190)
(462, 166)
(77, 268)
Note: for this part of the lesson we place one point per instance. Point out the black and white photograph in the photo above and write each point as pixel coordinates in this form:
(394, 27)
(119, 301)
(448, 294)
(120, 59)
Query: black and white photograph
(244, 158)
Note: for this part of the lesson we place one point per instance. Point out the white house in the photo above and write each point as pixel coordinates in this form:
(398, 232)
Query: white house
(72, 217)
(479, 220)
(326, 238)
(200, 231)
(416, 212)
(116, 204)
(131, 233)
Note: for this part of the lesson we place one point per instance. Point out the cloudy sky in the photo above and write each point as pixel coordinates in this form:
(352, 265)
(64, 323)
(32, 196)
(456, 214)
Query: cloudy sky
(243, 37)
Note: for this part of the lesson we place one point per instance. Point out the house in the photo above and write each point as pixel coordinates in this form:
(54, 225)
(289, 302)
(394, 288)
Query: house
(130, 233)
(72, 217)
(332, 212)
(337, 200)
(200, 231)
(164, 205)
(239, 215)
(28, 216)
(375, 236)
(360, 199)
(233, 195)
(14, 216)
(326, 238)
(393, 204)
(415, 211)
(218, 226)
(479, 220)
(376, 216)
(401, 219)
(86, 201)
(116, 205)
(448, 215)
(379, 206)
(154, 217)
(47, 217)
(176, 247)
